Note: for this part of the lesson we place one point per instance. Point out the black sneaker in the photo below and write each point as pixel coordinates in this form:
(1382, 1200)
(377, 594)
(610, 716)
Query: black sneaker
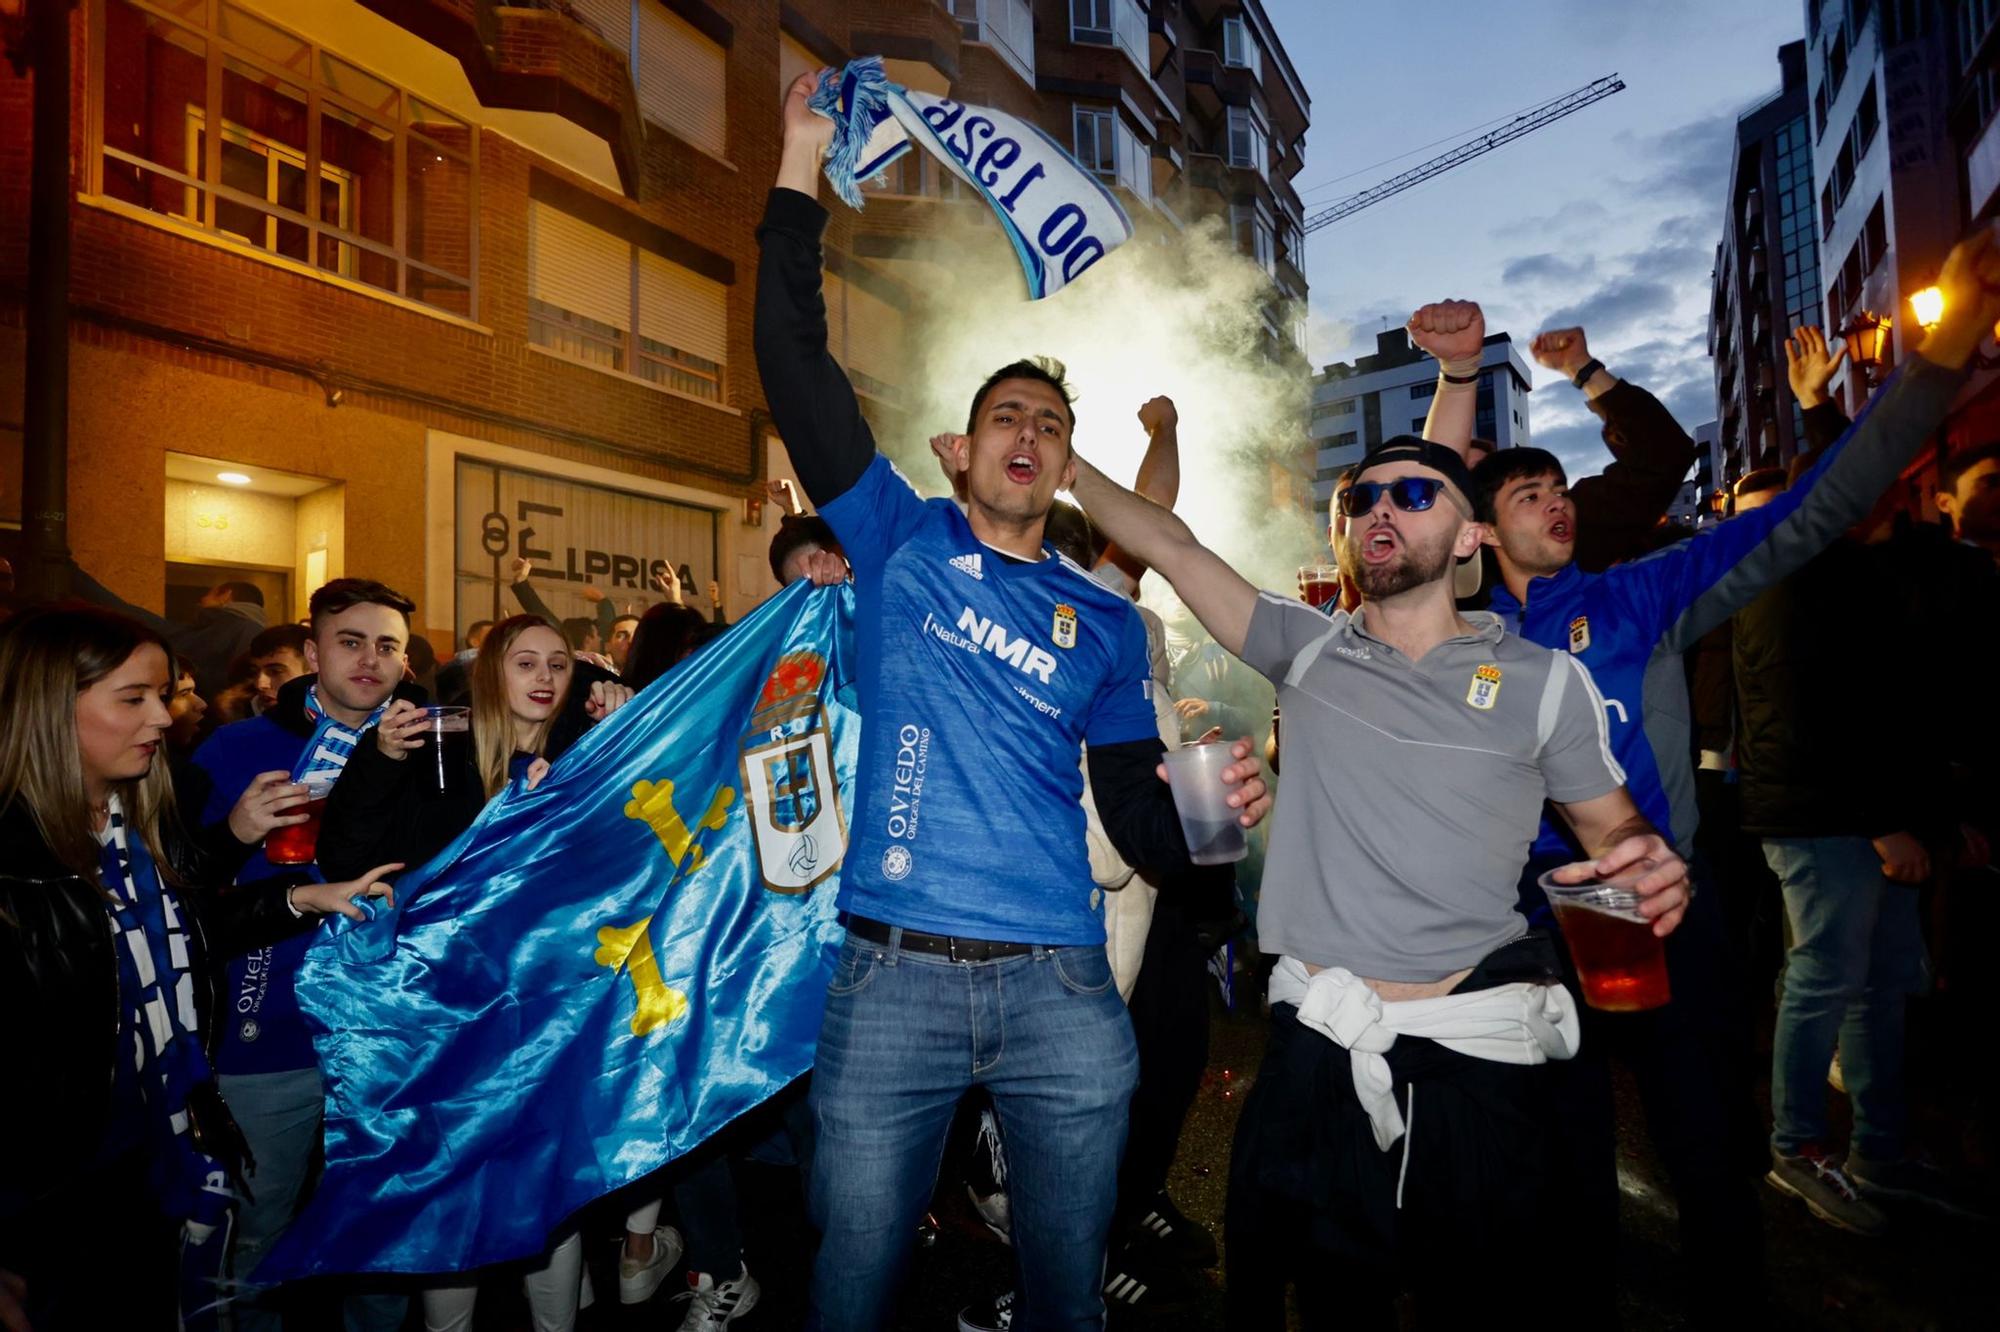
(994, 1315)
(1170, 1234)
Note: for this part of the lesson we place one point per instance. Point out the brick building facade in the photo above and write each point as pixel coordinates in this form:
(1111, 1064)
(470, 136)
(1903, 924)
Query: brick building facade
(432, 274)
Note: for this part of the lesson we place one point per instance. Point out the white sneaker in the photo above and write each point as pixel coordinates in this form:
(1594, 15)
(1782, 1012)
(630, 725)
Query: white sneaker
(716, 1306)
(637, 1281)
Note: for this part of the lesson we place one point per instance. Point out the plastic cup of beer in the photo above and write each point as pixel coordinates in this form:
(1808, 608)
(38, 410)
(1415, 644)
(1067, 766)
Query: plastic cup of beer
(1319, 585)
(1214, 837)
(443, 724)
(1621, 962)
(298, 843)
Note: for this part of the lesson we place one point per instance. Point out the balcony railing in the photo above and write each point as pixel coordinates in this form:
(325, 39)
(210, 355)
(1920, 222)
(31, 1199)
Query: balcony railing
(1008, 26)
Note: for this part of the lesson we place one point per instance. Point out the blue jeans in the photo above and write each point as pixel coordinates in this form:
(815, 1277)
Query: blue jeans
(905, 1036)
(1857, 955)
(279, 1114)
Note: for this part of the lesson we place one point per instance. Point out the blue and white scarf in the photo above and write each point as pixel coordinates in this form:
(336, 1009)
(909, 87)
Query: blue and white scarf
(167, 1060)
(1059, 216)
(332, 742)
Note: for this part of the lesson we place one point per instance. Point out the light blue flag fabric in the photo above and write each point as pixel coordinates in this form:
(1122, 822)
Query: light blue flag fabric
(600, 973)
(1059, 217)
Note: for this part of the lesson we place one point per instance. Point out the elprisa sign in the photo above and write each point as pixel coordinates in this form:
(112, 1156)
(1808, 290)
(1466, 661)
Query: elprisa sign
(503, 539)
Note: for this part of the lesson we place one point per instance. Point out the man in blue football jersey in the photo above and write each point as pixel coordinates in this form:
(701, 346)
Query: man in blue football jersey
(1630, 625)
(974, 956)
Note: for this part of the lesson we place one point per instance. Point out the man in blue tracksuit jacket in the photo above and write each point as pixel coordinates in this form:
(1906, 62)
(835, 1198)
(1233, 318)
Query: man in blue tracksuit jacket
(1630, 625)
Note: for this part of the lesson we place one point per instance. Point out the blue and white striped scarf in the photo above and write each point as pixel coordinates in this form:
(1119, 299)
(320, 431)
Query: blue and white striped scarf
(331, 742)
(158, 990)
(1060, 217)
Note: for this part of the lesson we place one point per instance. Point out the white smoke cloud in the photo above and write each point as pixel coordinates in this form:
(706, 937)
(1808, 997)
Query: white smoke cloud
(1179, 317)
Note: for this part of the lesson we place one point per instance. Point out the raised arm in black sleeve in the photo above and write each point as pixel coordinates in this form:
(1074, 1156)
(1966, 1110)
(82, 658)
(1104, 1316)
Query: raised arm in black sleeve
(1617, 510)
(1825, 424)
(811, 399)
(1135, 806)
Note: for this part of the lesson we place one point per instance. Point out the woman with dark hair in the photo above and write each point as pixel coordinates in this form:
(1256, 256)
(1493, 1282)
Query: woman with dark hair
(521, 681)
(667, 635)
(105, 994)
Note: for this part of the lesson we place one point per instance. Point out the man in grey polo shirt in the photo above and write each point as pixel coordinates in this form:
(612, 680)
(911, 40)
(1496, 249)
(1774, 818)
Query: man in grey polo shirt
(1420, 746)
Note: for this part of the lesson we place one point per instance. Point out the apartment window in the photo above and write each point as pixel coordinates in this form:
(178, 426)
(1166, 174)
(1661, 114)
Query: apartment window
(1090, 21)
(677, 70)
(1119, 23)
(1255, 235)
(1843, 172)
(1974, 18)
(1323, 410)
(1346, 439)
(1427, 389)
(680, 74)
(1820, 109)
(1248, 141)
(1827, 209)
(610, 19)
(600, 299)
(1867, 119)
(1836, 62)
(1982, 94)
(231, 125)
(1875, 238)
(1239, 47)
(1008, 26)
(1106, 145)
(1096, 145)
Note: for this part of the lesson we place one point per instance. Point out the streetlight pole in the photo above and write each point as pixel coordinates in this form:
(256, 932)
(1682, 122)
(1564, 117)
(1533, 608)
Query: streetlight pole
(45, 410)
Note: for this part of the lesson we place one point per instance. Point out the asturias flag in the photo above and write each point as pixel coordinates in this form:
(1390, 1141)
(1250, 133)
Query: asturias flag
(600, 973)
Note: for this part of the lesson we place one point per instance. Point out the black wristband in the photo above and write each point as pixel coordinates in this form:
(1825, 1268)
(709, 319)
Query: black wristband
(1590, 367)
(1451, 378)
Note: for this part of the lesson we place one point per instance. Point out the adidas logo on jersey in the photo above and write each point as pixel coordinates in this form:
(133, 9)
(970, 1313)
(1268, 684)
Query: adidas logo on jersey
(968, 565)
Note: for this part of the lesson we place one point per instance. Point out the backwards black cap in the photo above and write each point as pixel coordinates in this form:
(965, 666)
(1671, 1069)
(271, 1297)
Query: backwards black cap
(1467, 576)
(1437, 457)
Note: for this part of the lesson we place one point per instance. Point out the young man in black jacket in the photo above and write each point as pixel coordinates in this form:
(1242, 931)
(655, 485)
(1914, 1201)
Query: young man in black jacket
(265, 1060)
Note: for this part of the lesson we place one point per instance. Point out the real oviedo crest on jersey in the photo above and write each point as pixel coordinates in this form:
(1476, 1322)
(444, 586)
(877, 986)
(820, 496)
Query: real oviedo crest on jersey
(1485, 688)
(1064, 629)
(789, 786)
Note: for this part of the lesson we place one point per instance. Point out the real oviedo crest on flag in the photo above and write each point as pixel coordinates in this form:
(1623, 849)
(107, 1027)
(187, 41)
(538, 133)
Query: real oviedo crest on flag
(788, 778)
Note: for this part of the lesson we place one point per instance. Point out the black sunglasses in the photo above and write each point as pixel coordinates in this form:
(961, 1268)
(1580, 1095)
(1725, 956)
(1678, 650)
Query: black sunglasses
(1411, 494)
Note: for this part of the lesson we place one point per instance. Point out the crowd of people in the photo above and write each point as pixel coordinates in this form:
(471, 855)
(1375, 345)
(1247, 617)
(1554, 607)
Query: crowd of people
(1520, 687)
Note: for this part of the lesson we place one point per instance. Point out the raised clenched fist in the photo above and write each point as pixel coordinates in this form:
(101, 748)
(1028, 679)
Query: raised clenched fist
(1449, 330)
(1157, 412)
(1562, 350)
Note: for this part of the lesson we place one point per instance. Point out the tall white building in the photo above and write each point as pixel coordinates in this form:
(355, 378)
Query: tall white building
(1357, 405)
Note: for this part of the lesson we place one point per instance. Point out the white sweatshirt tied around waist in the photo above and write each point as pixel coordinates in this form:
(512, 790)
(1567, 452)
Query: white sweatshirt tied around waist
(1521, 1023)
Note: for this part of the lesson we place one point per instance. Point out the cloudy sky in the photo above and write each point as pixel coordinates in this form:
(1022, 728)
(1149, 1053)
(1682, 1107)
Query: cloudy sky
(1608, 218)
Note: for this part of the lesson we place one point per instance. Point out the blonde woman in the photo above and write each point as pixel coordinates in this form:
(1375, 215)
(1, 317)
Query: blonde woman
(524, 682)
(106, 936)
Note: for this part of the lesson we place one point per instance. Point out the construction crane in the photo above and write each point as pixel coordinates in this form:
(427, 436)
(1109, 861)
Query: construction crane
(1548, 113)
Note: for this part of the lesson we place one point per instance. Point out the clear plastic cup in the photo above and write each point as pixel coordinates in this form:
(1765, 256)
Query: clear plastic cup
(1319, 585)
(1621, 962)
(1214, 837)
(298, 843)
(447, 727)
